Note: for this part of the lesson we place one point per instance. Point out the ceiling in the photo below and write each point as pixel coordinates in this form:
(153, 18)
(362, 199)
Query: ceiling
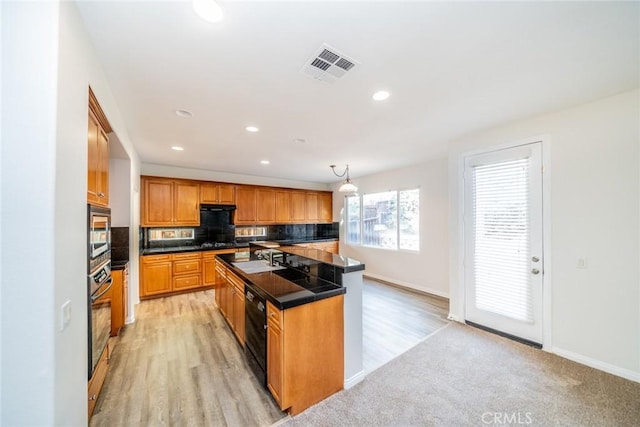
(452, 68)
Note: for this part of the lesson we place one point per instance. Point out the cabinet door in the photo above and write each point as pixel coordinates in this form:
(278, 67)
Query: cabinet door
(125, 294)
(266, 209)
(208, 270)
(156, 276)
(325, 207)
(103, 167)
(274, 361)
(93, 161)
(238, 314)
(208, 193)
(298, 207)
(312, 207)
(246, 205)
(283, 207)
(157, 202)
(117, 290)
(226, 194)
(186, 199)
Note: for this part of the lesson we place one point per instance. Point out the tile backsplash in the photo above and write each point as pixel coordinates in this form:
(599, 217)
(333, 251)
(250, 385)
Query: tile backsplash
(119, 244)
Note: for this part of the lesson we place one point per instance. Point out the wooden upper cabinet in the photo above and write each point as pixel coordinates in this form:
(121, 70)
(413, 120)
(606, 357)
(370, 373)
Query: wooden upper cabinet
(312, 207)
(98, 163)
(325, 207)
(186, 206)
(266, 205)
(298, 207)
(283, 206)
(168, 202)
(246, 212)
(217, 193)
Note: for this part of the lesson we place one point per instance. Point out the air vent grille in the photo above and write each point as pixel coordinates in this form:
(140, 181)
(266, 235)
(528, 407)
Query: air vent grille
(318, 63)
(328, 64)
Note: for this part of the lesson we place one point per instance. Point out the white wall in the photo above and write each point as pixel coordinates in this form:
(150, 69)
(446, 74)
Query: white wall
(120, 192)
(29, 60)
(48, 66)
(595, 197)
(207, 175)
(428, 269)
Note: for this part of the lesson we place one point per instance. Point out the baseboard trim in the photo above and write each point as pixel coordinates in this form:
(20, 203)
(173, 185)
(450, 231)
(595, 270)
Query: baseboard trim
(597, 364)
(355, 379)
(455, 318)
(407, 286)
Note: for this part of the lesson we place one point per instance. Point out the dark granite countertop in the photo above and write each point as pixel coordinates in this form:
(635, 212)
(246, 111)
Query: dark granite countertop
(191, 248)
(119, 264)
(346, 264)
(285, 288)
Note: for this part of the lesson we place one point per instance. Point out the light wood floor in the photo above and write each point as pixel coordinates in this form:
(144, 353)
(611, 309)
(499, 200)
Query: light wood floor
(179, 364)
(395, 319)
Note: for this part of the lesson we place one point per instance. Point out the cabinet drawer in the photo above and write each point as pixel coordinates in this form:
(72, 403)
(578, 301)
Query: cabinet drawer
(190, 255)
(235, 281)
(155, 258)
(189, 266)
(274, 315)
(186, 282)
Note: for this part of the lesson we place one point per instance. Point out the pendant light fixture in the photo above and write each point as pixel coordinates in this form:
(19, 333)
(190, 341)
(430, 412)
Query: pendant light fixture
(347, 186)
(209, 10)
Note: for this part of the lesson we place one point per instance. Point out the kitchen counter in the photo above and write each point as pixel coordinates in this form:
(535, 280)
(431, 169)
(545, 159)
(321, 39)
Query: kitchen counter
(189, 248)
(284, 288)
(119, 265)
(192, 248)
(346, 264)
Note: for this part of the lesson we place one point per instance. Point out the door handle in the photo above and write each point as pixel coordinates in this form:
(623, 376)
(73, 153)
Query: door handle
(535, 271)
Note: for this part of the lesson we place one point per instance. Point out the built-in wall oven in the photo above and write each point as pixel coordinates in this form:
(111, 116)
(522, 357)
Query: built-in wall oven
(98, 283)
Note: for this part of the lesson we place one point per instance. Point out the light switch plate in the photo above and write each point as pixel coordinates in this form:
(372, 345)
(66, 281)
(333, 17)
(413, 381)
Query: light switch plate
(65, 314)
(582, 263)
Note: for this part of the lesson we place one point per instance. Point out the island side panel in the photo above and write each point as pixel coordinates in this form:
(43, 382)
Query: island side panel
(313, 353)
(353, 365)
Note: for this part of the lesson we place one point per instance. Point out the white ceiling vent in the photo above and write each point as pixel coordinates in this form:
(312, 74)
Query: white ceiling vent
(328, 64)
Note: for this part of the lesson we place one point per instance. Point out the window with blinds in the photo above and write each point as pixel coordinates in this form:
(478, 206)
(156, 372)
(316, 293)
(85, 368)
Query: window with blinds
(501, 231)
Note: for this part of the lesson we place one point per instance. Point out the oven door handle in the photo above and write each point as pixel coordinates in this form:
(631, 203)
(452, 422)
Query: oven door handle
(97, 296)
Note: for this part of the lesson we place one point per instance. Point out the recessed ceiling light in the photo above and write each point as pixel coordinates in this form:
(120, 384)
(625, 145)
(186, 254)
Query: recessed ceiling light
(184, 113)
(176, 148)
(251, 129)
(381, 95)
(265, 162)
(209, 10)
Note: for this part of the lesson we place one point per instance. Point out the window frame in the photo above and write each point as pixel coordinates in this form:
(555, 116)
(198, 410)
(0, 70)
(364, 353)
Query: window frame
(360, 197)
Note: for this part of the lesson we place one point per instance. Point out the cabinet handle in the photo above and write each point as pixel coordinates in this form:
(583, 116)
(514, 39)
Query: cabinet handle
(272, 314)
(93, 397)
(100, 194)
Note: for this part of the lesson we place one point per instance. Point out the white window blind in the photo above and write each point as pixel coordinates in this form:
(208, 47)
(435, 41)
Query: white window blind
(501, 231)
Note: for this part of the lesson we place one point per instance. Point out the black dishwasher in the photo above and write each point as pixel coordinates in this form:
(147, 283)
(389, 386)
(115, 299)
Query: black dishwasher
(255, 339)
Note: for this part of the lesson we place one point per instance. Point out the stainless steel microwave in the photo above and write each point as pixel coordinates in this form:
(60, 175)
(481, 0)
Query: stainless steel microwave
(99, 230)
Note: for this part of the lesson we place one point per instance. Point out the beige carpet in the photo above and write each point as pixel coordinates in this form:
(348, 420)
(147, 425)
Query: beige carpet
(464, 376)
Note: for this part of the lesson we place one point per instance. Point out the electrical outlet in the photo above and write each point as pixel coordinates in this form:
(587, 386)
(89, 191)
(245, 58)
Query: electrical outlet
(582, 263)
(65, 314)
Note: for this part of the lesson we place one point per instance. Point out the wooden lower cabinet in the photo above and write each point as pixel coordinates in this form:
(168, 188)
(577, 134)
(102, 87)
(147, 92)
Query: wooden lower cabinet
(96, 381)
(230, 300)
(209, 269)
(119, 299)
(162, 275)
(187, 270)
(156, 277)
(299, 340)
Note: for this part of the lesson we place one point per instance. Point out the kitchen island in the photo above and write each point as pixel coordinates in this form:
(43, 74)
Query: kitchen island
(302, 349)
